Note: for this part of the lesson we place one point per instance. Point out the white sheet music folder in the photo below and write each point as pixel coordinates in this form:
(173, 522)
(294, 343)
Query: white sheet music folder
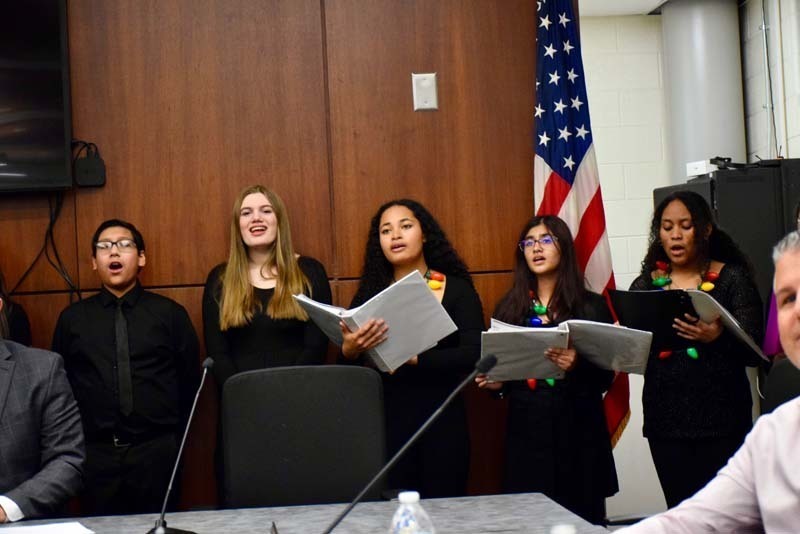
(520, 351)
(416, 320)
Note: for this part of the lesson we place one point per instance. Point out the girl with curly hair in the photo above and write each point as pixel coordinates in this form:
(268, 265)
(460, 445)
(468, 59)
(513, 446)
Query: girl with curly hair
(697, 404)
(404, 237)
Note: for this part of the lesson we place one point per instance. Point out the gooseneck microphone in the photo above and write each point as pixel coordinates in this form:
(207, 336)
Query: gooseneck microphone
(483, 366)
(161, 524)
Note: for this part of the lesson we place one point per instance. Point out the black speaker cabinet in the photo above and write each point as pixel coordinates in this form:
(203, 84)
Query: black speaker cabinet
(755, 204)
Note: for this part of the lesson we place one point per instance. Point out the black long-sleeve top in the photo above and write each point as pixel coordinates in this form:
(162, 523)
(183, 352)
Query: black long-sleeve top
(264, 342)
(19, 328)
(563, 427)
(165, 370)
(708, 397)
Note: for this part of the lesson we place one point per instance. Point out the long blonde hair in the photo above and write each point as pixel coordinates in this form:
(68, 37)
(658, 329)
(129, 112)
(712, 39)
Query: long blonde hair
(237, 302)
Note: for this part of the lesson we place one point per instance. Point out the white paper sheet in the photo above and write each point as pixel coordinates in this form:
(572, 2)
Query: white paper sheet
(609, 346)
(416, 320)
(709, 309)
(520, 351)
(72, 527)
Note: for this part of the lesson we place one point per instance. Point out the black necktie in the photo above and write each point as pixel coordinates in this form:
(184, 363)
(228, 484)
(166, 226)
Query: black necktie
(123, 361)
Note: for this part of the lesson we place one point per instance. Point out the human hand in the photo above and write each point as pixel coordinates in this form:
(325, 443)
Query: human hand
(565, 359)
(414, 360)
(696, 330)
(371, 334)
(3, 518)
(484, 383)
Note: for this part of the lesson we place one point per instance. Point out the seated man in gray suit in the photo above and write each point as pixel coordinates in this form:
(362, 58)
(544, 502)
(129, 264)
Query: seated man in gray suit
(41, 438)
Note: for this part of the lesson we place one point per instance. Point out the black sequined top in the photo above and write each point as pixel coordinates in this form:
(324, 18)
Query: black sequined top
(707, 397)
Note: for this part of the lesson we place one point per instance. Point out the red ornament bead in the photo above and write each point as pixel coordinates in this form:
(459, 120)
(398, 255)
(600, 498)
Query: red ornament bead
(531, 294)
(711, 276)
(435, 275)
(531, 383)
(662, 265)
(664, 354)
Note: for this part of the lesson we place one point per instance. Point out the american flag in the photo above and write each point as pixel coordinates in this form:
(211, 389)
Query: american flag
(565, 168)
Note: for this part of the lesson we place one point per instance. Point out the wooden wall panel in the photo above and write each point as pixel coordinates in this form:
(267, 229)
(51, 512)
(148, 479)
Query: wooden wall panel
(487, 415)
(43, 311)
(190, 101)
(471, 161)
(23, 222)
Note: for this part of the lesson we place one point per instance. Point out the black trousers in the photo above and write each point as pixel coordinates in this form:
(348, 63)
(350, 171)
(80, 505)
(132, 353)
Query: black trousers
(685, 466)
(129, 479)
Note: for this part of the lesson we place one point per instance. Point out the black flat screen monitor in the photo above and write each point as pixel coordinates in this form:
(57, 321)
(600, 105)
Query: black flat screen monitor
(35, 125)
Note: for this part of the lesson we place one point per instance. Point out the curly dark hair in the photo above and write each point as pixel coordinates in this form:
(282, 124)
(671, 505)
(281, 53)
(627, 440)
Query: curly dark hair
(716, 245)
(569, 290)
(439, 254)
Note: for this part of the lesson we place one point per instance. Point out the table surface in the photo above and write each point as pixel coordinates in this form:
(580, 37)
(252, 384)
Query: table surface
(524, 512)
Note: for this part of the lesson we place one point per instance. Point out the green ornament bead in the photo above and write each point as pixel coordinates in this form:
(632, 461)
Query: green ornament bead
(550, 381)
(661, 281)
(540, 309)
(692, 353)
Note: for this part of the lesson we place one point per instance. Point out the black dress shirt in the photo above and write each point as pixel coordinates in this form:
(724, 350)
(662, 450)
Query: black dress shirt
(163, 359)
(19, 328)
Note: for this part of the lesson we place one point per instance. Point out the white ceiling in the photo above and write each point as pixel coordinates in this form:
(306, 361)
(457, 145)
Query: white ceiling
(610, 8)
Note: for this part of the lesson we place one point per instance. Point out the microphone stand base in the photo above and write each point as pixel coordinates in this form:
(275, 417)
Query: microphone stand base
(168, 530)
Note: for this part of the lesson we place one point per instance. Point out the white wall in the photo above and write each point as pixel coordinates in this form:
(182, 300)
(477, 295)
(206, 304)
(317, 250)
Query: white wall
(783, 22)
(624, 81)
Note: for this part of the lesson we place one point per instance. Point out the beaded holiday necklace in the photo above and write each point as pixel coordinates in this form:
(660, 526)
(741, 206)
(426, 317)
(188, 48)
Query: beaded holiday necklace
(661, 278)
(434, 279)
(533, 319)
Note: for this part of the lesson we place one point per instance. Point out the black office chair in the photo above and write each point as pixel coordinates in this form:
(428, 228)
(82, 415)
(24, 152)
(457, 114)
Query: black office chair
(301, 435)
(783, 384)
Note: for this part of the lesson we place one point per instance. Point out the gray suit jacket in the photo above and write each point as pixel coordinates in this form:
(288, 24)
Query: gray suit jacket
(41, 439)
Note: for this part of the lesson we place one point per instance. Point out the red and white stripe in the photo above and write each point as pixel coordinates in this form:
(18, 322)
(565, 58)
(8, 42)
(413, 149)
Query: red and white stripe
(581, 207)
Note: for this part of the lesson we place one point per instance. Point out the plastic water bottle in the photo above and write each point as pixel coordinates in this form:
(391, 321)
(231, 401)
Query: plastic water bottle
(410, 518)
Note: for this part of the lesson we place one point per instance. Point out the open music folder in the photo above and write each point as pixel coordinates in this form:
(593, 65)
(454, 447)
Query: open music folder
(656, 310)
(416, 320)
(520, 350)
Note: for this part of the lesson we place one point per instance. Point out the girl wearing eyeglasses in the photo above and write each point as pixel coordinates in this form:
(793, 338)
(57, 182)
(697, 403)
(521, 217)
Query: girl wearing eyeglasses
(557, 440)
(404, 237)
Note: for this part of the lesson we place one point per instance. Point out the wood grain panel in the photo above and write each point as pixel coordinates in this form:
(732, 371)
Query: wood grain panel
(487, 415)
(470, 162)
(23, 222)
(43, 311)
(190, 101)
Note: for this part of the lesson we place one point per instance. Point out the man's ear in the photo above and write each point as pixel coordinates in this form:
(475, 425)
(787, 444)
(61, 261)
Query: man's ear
(142, 260)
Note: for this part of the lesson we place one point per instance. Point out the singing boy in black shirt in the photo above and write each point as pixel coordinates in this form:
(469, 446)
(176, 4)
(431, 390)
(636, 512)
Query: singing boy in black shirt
(131, 357)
